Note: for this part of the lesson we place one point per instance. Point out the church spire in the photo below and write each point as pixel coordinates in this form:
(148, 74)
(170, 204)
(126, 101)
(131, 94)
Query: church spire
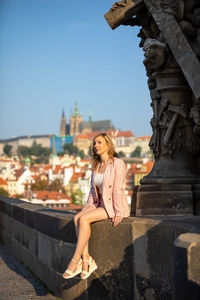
(75, 121)
(90, 116)
(63, 124)
(76, 112)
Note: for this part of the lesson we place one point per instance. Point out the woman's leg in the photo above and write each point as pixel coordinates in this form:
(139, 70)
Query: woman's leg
(84, 221)
(85, 253)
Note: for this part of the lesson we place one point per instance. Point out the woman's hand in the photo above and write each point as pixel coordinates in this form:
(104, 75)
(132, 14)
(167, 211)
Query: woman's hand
(116, 220)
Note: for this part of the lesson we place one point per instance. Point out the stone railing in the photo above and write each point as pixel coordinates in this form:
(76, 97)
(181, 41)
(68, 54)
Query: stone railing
(143, 258)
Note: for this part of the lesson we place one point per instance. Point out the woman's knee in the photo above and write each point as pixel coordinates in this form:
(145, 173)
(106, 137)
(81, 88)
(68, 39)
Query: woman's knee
(83, 219)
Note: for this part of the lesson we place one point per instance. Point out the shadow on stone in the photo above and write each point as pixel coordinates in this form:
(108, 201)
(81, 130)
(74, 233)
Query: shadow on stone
(15, 266)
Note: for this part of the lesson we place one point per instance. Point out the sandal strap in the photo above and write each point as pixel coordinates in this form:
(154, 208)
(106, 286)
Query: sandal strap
(68, 272)
(76, 262)
(84, 273)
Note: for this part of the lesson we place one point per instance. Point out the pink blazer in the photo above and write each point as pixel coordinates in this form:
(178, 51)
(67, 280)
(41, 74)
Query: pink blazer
(114, 197)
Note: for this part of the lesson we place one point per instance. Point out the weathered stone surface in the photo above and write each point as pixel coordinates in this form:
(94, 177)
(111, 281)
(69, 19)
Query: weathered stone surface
(122, 11)
(164, 200)
(17, 282)
(112, 250)
(134, 200)
(187, 267)
(184, 54)
(169, 33)
(135, 259)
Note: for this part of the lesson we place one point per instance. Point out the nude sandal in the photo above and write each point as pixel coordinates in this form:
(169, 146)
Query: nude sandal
(91, 268)
(76, 272)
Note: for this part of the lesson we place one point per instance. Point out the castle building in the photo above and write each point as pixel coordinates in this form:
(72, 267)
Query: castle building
(78, 126)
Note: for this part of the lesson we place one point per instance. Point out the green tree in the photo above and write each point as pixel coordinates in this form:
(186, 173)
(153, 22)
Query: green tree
(41, 160)
(18, 196)
(23, 151)
(38, 150)
(56, 185)
(35, 150)
(7, 149)
(77, 197)
(71, 149)
(137, 152)
(81, 154)
(90, 151)
(40, 185)
(121, 154)
(3, 192)
(60, 153)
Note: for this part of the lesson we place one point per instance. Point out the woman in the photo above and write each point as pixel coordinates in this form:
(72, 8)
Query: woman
(106, 200)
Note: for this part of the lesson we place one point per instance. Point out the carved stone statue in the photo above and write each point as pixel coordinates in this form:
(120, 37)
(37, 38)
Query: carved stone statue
(170, 39)
(155, 53)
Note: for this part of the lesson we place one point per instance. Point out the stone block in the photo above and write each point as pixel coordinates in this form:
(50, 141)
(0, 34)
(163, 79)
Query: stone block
(66, 228)
(74, 288)
(112, 250)
(187, 267)
(47, 275)
(153, 257)
(62, 255)
(44, 249)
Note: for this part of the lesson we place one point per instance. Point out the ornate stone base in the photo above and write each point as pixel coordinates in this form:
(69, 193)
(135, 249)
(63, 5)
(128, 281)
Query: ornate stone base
(166, 199)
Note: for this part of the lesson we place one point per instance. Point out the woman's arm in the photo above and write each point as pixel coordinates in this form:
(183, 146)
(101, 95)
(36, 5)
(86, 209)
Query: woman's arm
(90, 200)
(118, 187)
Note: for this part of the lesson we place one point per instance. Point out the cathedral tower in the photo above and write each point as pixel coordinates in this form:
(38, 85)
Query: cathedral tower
(63, 125)
(75, 121)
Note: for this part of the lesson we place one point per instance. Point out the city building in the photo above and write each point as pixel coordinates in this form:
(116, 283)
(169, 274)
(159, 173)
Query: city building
(78, 126)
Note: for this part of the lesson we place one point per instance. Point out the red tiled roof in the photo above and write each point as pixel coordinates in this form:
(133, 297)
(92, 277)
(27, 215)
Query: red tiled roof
(34, 169)
(85, 160)
(3, 182)
(149, 165)
(125, 133)
(147, 137)
(18, 172)
(81, 136)
(76, 176)
(57, 169)
(44, 195)
(48, 167)
(71, 206)
(91, 135)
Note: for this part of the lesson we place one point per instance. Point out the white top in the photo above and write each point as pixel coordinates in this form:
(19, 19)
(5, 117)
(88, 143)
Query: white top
(98, 180)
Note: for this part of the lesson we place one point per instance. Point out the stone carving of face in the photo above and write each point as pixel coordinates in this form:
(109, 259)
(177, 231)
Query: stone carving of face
(155, 53)
(195, 114)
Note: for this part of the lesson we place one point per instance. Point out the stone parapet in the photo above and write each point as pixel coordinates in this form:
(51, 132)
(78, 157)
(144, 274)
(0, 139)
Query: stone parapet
(187, 267)
(136, 260)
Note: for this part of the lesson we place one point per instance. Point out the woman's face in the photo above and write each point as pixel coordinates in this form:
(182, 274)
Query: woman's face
(100, 146)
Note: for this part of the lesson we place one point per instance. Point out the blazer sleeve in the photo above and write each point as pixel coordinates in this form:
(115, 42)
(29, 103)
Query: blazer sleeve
(118, 187)
(90, 200)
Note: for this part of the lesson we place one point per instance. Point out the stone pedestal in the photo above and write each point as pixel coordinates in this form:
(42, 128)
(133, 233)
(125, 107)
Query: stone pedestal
(170, 39)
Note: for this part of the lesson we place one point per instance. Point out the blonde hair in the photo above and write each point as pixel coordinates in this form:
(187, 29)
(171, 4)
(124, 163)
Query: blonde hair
(111, 150)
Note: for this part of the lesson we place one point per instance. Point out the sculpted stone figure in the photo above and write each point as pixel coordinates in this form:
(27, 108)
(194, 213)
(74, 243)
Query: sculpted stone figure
(170, 37)
(195, 115)
(155, 53)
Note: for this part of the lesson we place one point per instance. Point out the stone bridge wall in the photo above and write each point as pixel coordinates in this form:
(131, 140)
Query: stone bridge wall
(137, 260)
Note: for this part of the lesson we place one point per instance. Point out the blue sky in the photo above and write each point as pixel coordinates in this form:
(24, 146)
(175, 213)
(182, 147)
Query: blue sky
(56, 52)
